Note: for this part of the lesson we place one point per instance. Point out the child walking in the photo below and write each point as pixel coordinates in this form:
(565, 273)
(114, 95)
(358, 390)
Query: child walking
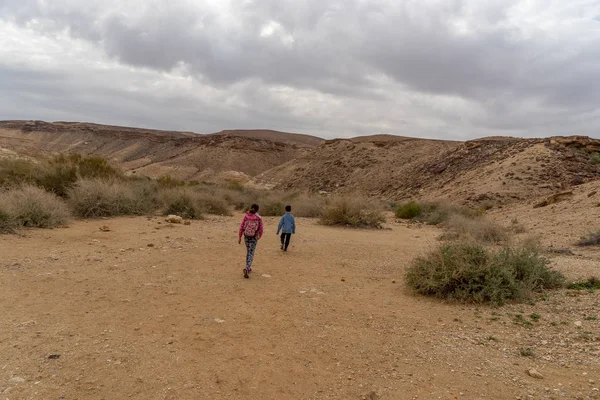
(252, 230)
(287, 227)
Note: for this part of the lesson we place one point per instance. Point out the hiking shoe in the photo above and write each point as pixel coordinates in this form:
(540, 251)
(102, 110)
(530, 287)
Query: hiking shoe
(249, 269)
(246, 273)
(281, 247)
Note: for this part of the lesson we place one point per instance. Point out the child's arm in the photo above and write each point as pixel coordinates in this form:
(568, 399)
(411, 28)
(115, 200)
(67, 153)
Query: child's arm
(280, 225)
(241, 232)
(260, 227)
(293, 225)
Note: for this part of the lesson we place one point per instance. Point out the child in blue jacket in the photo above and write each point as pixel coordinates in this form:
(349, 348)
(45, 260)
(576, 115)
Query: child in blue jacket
(287, 227)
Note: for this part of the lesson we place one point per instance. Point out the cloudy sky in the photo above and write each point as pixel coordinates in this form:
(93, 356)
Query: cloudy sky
(333, 68)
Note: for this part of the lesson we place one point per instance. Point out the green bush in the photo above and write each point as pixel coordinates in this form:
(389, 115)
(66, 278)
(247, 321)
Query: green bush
(30, 206)
(595, 158)
(591, 239)
(408, 210)
(94, 198)
(352, 212)
(471, 273)
(93, 167)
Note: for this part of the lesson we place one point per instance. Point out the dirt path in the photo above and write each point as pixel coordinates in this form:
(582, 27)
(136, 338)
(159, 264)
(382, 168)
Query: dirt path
(156, 311)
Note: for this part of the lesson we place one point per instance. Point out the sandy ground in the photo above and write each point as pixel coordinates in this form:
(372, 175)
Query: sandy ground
(156, 311)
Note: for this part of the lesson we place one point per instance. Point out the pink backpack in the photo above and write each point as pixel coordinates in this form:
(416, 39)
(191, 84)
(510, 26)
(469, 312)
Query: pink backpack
(251, 227)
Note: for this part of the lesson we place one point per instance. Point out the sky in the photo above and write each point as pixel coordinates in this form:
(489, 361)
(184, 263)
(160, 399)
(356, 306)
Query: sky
(448, 69)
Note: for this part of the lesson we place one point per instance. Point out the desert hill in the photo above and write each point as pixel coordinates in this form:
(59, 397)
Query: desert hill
(182, 155)
(494, 170)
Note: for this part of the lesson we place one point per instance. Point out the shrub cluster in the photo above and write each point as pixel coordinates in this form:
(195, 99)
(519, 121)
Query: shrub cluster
(352, 212)
(471, 273)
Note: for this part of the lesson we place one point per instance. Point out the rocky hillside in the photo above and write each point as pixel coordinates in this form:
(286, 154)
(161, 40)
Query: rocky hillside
(184, 155)
(493, 170)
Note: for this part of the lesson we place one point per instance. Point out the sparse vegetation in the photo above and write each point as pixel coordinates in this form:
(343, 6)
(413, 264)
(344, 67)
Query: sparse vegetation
(592, 283)
(352, 212)
(408, 210)
(30, 206)
(471, 273)
(591, 239)
(433, 213)
(481, 230)
(595, 158)
(526, 352)
(94, 198)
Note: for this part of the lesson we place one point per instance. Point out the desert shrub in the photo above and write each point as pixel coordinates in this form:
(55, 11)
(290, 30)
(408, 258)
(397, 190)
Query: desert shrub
(470, 273)
(169, 182)
(30, 206)
(57, 177)
(352, 212)
(94, 198)
(480, 230)
(93, 167)
(307, 206)
(272, 208)
(7, 222)
(595, 158)
(212, 203)
(433, 213)
(181, 201)
(14, 172)
(591, 239)
(408, 210)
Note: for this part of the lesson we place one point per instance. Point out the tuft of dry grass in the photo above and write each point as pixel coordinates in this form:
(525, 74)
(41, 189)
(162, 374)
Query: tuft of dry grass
(30, 206)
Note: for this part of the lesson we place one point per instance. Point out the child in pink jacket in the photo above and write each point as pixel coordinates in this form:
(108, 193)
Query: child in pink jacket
(252, 230)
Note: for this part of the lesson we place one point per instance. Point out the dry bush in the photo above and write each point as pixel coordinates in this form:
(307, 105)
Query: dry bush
(7, 222)
(30, 206)
(94, 198)
(352, 212)
(471, 273)
(480, 230)
(180, 202)
(409, 210)
(307, 206)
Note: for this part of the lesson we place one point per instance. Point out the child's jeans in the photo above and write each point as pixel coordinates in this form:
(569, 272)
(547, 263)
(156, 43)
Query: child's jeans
(285, 240)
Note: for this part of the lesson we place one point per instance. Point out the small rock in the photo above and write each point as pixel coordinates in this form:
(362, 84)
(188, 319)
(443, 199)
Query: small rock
(105, 228)
(266, 275)
(302, 291)
(17, 379)
(54, 356)
(174, 219)
(343, 280)
(219, 321)
(187, 223)
(150, 244)
(578, 324)
(393, 281)
(534, 373)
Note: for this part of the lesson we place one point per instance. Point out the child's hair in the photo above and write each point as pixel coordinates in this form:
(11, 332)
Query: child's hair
(254, 208)
(288, 208)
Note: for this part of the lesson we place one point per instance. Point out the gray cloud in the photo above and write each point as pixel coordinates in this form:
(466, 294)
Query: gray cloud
(452, 68)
